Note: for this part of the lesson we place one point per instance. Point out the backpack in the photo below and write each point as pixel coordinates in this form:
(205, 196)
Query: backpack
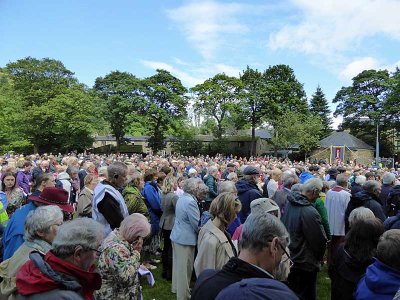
(393, 202)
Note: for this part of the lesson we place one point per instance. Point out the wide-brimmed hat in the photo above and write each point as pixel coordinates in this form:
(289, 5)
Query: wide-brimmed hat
(54, 196)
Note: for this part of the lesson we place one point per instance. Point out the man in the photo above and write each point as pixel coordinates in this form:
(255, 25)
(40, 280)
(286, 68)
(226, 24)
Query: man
(388, 181)
(67, 271)
(13, 236)
(248, 190)
(280, 197)
(42, 168)
(308, 245)
(273, 183)
(306, 175)
(264, 239)
(367, 198)
(109, 207)
(65, 181)
(336, 203)
(382, 278)
(24, 177)
(230, 168)
(211, 183)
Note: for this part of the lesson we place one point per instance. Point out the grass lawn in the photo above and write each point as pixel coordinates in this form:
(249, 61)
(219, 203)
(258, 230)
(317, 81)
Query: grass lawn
(162, 288)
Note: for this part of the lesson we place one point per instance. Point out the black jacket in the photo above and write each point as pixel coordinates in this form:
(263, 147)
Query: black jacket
(367, 200)
(211, 282)
(345, 272)
(247, 192)
(307, 235)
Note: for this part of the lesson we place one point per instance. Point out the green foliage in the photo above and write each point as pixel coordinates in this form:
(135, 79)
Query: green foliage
(164, 101)
(121, 96)
(293, 128)
(319, 107)
(216, 97)
(188, 146)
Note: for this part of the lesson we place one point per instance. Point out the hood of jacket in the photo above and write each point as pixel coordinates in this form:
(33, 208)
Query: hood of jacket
(359, 198)
(244, 185)
(63, 176)
(305, 176)
(297, 199)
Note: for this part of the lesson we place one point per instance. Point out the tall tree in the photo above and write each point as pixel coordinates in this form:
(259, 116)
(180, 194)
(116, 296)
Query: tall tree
(216, 97)
(121, 95)
(319, 107)
(165, 101)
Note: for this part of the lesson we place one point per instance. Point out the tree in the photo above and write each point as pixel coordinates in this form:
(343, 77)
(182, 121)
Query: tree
(294, 128)
(121, 95)
(216, 97)
(319, 107)
(46, 89)
(164, 102)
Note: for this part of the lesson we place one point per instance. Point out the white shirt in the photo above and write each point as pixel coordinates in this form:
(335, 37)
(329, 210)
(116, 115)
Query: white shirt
(336, 203)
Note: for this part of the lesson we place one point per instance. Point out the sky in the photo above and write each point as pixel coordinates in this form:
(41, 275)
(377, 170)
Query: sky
(326, 42)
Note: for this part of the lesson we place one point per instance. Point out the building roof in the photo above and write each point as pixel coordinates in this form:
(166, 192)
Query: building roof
(261, 133)
(343, 138)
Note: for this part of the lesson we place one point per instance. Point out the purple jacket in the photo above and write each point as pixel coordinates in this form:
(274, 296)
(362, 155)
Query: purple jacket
(23, 180)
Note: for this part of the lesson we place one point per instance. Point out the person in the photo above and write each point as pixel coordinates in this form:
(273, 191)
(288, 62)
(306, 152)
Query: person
(109, 206)
(273, 183)
(168, 201)
(336, 203)
(41, 227)
(360, 213)
(257, 289)
(280, 197)
(42, 168)
(67, 271)
(367, 198)
(388, 182)
(353, 257)
(248, 190)
(214, 244)
(264, 240)
(24, 177)
(15, 195)
(184, 236)
(43, 181)
(211, 183)
(85, 198)
(357, 185)
(132, 194)
(13, 236)
(230, 169)
(393, 222)
(230, 187)
(382, 278)
(66, 179)
(308, 238)
(119, 260)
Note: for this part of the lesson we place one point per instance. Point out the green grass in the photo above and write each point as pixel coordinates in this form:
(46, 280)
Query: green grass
(162, 287)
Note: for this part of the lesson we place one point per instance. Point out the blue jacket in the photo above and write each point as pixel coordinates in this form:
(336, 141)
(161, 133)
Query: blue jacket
(3, 199)
(13, 236)
(247, 192)
(153, 203)
(392, 222)
(380, 282)
(305, 176)
(187, 218)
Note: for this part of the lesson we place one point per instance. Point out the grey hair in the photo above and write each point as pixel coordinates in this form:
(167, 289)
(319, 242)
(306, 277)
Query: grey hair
(191, 185)
(227, 186)
(40, 220)
(83, 232)
(259, 229)
(231, 176)
(371, 185)
(360, 213)
(312, 185)
(388, 249)
(117, 168)
(341, 180)
(289, 179)
(360, 179)
(212, 170)
(388, 178)
(298, 187)
(72, 170)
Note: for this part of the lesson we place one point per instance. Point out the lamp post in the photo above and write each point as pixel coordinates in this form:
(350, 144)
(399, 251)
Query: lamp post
(377, 144)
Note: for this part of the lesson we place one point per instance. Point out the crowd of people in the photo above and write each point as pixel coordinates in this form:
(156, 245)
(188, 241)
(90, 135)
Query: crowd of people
(85, 226)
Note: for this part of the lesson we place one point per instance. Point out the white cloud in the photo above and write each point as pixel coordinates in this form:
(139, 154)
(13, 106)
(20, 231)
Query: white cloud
(357, 66)
(206, 24)
(331, 26)
(228, 70)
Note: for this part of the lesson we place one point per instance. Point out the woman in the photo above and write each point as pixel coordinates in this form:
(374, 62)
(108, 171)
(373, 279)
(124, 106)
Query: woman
(15, 195)
(184, 235)
(85, 198)
(43, 181)
(119, 260)
(41, 227)
(214, 244)
(168, 201)
(133, 198)
(354, 256)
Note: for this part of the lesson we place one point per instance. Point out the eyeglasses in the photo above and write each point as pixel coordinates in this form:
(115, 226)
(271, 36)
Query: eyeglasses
(291, 263)
(96, 250)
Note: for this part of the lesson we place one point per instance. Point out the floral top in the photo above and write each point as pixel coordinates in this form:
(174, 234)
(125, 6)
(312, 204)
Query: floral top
(118, 265)
(15, 200)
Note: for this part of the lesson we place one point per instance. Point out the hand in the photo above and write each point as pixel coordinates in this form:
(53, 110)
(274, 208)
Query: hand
(137, 244)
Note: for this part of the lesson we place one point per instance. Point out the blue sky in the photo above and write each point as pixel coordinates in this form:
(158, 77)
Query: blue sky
(325, 42)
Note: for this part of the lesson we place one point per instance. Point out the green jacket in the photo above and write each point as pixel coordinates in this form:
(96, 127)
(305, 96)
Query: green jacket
(3, 216)
(134, 201)
(320, 207)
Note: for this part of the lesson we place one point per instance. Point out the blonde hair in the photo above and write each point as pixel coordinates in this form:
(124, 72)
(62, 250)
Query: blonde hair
(169, 184)
(225, 207)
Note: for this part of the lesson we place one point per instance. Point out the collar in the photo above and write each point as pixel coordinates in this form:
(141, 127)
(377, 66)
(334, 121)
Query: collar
(262, 270)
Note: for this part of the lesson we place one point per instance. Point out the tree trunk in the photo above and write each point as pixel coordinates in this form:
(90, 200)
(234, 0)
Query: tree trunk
(253, 140)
